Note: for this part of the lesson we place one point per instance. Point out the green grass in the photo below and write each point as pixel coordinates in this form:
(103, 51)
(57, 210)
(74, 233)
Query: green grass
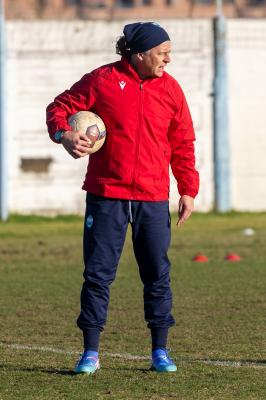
(219, 309)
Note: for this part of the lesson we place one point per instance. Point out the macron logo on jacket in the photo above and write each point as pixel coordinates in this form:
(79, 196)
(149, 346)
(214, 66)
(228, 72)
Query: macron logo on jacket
(122, 84)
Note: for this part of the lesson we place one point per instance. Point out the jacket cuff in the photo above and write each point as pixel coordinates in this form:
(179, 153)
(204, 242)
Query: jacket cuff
(192, 194)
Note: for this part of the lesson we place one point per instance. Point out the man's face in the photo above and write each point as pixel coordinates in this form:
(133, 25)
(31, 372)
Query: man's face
(155, 59)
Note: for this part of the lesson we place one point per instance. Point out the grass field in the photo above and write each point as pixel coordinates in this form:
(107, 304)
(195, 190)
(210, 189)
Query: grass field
(219, 341)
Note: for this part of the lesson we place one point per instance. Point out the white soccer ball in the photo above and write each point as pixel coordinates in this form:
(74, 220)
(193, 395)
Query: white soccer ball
(90, 124)
(248, 232)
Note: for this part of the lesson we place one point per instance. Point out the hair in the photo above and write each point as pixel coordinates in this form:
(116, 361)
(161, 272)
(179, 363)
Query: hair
(122, 48)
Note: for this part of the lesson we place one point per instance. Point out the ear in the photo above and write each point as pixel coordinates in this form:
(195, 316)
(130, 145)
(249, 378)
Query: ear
(140, 56)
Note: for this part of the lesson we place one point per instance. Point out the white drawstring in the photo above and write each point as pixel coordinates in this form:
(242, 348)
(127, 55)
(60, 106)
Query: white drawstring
(130, 212)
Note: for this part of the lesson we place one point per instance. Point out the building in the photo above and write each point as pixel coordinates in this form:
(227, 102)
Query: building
(122, 9)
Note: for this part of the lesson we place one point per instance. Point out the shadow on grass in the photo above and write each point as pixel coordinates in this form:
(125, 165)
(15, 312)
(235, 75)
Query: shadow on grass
(66, 372)
(255, 361)
(38, 369)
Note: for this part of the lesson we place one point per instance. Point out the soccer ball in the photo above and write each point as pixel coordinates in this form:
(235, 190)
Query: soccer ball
(91, 124)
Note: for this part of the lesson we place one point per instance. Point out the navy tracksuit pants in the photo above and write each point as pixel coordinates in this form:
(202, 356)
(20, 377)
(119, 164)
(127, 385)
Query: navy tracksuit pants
(105, 226)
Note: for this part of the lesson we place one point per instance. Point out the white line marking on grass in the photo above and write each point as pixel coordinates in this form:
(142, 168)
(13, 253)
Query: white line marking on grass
(234, 364)
(45, 349)
(37, 348)
(131, 357)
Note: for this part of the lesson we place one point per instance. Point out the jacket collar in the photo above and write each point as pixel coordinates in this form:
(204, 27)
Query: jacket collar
(129, 69)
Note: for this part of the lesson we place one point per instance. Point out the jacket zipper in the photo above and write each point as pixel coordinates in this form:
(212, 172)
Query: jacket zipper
(138, 135)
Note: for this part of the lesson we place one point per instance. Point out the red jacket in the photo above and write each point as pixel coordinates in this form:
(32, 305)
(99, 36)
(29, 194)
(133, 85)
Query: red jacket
(148, 126)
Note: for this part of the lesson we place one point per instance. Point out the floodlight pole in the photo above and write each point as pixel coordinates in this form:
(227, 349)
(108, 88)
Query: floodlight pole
(3, 135)
(220, 111)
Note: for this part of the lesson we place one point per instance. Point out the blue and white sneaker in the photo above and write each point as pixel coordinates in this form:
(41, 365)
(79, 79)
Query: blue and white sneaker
(161, 362)
(88, 363)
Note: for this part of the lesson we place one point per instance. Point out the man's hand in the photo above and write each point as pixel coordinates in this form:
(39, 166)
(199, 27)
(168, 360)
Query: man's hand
(186, 206)
(76, 144)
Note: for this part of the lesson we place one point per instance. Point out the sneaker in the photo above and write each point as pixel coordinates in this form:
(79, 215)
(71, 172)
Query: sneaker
(88, 363)
(161, 362)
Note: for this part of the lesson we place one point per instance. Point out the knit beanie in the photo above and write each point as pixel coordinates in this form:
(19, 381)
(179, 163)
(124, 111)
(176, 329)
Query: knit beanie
(143, 36)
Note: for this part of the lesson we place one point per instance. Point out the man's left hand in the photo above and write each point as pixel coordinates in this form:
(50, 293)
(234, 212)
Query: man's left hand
(186, 206)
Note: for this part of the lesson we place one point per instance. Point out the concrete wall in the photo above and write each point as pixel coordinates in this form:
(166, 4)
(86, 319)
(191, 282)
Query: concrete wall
(44, 58)
(247, 106)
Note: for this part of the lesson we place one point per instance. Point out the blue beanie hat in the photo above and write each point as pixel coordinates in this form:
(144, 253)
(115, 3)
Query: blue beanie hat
(143, 36)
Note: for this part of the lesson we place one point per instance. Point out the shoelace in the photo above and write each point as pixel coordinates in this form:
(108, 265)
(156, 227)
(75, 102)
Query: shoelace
(88, 358)
(163, 358)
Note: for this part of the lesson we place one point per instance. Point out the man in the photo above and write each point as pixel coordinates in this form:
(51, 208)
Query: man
(148, 128)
